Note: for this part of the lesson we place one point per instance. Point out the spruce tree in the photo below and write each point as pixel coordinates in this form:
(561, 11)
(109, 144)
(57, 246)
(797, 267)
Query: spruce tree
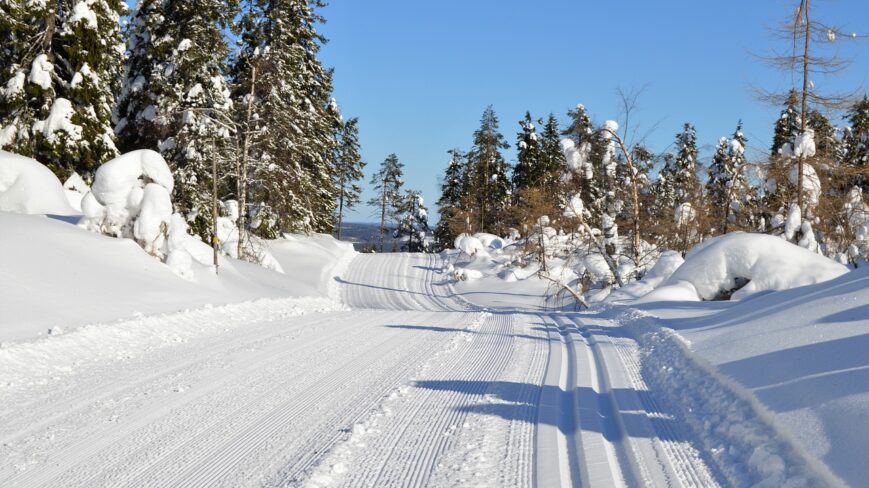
(27, 85)
(451, 200)
(528, 172)
(727, 188)
(387, 183)
(855, 145)
(687, 184)
(490, 185)
(788, 124)
(174, 98)
(348, 169)
(296, 119)
(551, 158)
(89, 45)
(413, 222)
(60, 66)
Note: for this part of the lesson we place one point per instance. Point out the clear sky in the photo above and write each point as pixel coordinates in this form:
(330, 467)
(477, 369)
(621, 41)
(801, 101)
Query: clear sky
(418, 74)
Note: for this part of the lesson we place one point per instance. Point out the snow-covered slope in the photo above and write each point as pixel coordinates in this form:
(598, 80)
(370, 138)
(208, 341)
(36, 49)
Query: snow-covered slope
(28, 187)
(801, 354)
(54, 275)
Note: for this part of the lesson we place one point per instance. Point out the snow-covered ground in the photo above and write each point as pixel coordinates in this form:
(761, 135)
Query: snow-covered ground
(56, 276)
(381, 370)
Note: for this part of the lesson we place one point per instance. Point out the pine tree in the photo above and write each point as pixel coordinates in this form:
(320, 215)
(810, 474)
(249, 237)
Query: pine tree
(60, 65)
(348, 169)
(387, 184)
(413, 222)
(451, 200)
(528, 172)
(174, 98)
(278, 74)
(490, 185)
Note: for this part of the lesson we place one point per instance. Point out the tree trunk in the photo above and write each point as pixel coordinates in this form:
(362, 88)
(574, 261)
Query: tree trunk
(214, 238)
(803, 107)
(340, 209)
(382, 215)
(242, 173)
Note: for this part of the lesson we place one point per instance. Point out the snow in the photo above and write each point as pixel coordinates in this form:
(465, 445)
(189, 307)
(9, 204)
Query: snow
(684, 214)
(14, 86)
(82, 12)
(75, 189)
(152, 222)
(793, 221)
(811, 183)
(668, 262)
(792, 365)
(805, 144)
(28, 187)
(722, 264)
(60, 119)
(470, 245)
(40, 72)
(7, 135)
(89, 278)
(575, 208)
(417, 380)
(119, 188)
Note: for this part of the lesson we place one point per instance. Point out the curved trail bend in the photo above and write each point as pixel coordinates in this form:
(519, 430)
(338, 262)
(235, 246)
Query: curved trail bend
(411, 387)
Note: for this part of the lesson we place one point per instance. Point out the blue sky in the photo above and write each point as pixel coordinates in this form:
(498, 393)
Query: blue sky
(418, 74)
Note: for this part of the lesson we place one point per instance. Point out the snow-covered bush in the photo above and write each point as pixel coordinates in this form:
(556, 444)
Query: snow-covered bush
(739, 264)
(28, 187)
(132, 187)
(470, 245)
(130, 198)
(857, 212)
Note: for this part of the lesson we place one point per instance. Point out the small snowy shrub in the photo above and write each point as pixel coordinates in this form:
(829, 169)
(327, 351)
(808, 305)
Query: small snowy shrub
(130, 198)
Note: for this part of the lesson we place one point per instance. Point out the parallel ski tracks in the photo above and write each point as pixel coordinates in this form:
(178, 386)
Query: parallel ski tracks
(436, 382)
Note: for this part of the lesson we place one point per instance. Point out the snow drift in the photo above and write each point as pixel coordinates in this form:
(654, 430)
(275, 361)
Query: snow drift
(739, 264)
(28, 187)
(56, 275)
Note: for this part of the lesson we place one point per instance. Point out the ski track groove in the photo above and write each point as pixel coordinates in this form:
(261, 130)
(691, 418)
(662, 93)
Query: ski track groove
(418, 451)
(681, 456)
(136, 429)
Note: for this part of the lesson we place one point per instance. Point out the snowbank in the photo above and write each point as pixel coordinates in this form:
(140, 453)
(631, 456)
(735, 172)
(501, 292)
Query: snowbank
(744, 264)
(53, 274)
(797, 356)
(28, 187)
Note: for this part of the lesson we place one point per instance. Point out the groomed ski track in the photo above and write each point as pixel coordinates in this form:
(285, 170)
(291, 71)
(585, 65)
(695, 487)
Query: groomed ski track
(409, 387)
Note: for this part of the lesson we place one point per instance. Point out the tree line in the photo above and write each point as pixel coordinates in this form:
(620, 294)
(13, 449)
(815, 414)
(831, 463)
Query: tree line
(637, 201)
(232, 83)
(630, 203)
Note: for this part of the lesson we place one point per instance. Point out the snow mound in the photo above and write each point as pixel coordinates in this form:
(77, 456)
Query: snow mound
(134, 185)
(470, 245)
(664, 267)
(490, 241)
(28, 187)
(743, 264)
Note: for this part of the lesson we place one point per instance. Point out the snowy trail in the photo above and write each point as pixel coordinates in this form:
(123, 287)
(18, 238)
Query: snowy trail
(411, 387)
